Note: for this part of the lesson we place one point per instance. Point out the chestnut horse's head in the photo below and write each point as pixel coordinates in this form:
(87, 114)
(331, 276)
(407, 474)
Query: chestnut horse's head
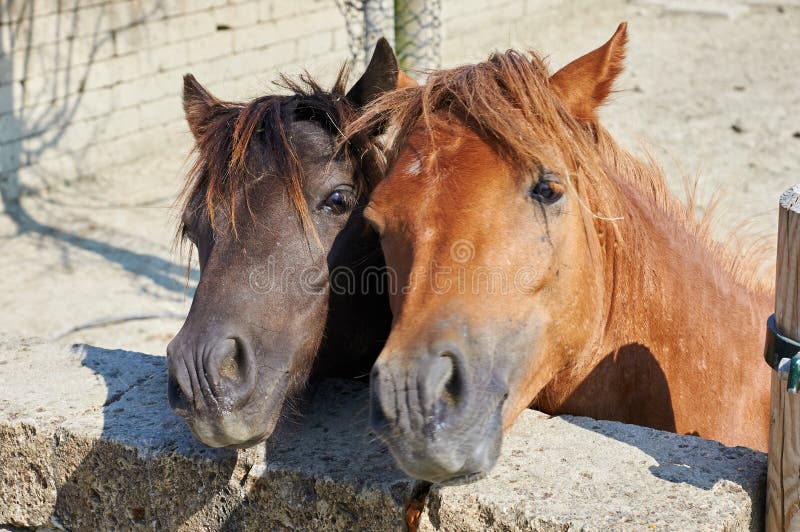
(487, 219)
(273, 207)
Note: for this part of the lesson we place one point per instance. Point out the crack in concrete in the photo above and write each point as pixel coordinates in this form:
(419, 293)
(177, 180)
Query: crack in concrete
(116, 396)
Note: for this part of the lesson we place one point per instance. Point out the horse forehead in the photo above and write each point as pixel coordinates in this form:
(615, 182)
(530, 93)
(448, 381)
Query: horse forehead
(458, 168)
(310, 139)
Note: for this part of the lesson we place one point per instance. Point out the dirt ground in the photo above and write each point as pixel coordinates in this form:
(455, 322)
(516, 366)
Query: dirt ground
(712, 94)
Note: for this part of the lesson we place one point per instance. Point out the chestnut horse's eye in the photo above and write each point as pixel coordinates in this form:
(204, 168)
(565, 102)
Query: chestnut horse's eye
(339, 201)
(546, 191)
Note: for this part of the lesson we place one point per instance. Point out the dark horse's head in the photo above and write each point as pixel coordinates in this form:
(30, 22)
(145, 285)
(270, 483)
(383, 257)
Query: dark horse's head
(273, 206)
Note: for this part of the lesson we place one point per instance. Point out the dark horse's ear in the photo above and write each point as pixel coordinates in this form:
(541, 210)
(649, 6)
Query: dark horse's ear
(382, 75)
(198, 105)
(584, 84)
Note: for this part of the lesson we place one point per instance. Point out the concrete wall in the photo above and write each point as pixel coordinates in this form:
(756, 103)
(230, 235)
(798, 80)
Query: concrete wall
(87, 442)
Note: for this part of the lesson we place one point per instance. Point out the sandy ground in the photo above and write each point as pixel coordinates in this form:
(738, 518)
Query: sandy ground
(720, 94)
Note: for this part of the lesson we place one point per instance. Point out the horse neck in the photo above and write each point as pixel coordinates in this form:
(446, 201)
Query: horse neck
(680, 344)
(667, 285)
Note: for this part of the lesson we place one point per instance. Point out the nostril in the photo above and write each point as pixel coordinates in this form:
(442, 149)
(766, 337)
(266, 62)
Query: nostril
(378, 419)
(449, 388)
(232, 362)
(177, 399)
(453, 387)
(231, 372)
(171, 348)
(382, 399)
(443, 386)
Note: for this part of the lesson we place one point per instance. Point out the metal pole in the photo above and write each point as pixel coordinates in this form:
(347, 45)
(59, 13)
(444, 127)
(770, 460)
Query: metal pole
(417, 30)
(378, 22)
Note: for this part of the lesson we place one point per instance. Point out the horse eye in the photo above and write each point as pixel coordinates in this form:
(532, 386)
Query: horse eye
(546, 192)
(339, 201)
(189, 234)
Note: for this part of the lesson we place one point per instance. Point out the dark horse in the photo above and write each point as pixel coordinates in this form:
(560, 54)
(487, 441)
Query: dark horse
(274, 208)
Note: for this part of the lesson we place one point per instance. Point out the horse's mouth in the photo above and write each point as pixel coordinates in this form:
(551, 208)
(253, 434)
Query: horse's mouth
(243, 427)
(233, 432)
(433, 459)
(250, 443)
(467, 478)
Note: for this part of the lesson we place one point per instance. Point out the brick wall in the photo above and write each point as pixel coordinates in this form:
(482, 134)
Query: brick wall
(89, 84)
(86, 85)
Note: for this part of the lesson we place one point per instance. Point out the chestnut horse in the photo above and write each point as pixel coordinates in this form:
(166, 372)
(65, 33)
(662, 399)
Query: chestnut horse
(273, 209)
(539, 264)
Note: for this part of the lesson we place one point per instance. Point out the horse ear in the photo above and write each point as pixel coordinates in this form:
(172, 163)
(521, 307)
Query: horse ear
(382, 75)
(198, 105)
(404, 80)
(584, 84)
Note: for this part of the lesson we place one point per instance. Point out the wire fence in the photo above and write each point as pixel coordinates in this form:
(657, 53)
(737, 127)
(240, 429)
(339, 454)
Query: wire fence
(418, 33)
(412, 27)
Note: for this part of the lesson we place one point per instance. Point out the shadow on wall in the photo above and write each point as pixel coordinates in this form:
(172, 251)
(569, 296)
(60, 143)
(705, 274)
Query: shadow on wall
(682, 459)
(34, 122)
(631, 371)
(146, 470)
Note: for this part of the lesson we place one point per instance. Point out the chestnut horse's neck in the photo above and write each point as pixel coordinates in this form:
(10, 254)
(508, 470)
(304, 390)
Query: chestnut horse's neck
(680, 345)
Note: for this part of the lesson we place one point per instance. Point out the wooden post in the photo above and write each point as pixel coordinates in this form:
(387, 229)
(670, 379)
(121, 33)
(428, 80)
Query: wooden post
(783, 472)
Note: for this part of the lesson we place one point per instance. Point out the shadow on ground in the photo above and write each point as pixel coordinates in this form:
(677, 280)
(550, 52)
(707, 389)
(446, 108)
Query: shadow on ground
(43, 127)
(681, 459)
(146, 470)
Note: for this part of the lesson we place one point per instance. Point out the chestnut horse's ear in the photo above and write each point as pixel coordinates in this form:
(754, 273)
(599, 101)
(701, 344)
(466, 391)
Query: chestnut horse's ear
(382, 75)
(584, 84)
(198, 105)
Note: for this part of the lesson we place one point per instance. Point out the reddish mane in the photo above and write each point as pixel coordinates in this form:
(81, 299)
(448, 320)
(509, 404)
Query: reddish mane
(509, 102)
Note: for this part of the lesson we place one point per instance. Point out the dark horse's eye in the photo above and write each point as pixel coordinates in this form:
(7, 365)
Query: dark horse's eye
(339, 201)
(547, 190)
(188, 234)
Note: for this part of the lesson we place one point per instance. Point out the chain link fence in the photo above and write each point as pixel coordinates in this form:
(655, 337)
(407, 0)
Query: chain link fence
(418, 33)
(413, 27)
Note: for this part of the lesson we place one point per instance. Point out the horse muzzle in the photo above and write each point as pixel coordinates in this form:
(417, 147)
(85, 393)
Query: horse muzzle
(217, 389)
(438, 422)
